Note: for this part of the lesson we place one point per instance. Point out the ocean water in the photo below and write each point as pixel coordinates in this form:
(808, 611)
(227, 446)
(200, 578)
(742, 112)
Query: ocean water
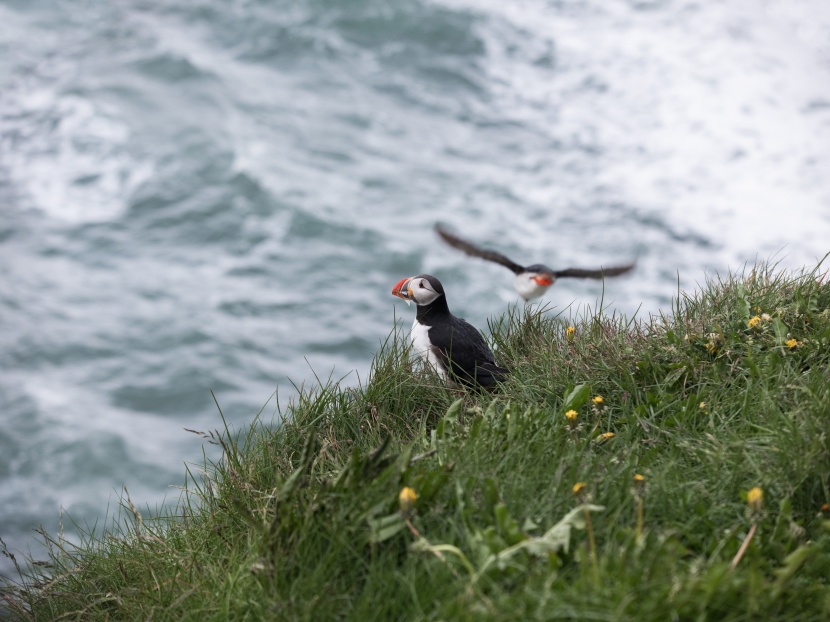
(219, 195)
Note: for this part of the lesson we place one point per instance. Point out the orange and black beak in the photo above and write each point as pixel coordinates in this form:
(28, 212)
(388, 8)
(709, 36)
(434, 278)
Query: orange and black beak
(401, 290)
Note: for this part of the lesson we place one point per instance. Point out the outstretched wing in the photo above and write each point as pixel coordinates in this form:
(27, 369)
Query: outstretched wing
(475, 251)
(581, 273)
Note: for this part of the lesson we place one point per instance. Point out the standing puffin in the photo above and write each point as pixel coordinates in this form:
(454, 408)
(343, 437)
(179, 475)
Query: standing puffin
(531, 281)
(453, 347)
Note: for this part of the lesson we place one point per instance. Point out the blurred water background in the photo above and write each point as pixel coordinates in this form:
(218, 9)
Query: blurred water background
(217, 194)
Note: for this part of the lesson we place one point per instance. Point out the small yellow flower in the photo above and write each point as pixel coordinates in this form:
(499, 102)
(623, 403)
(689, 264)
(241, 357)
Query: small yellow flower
(571, 416)
(604, 437)
(754, 321)
(639, 479)
(579, 488)
(755, 499)
(793, 343)
(598, 401)
(711, 348)
(702, 405)
(407, 498)
(569, 332)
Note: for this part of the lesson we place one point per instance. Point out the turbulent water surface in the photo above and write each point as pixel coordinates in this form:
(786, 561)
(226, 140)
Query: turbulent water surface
(219, 195)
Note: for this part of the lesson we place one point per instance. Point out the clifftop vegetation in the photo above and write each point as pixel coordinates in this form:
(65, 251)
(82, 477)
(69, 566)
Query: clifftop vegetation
(677, 468)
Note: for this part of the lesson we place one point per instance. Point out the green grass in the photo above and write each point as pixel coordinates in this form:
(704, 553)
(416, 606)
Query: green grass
(301, 520)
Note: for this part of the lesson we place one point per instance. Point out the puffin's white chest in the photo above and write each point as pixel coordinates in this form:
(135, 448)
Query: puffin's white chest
(422, 345)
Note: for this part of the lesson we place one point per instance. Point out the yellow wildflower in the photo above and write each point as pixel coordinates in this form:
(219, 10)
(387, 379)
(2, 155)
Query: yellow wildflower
(569, 332)
(598, 401)
(579, 488)
(755, 499)
(604, 437)
(702, 405)
(711, 348)
(571, 416)
(793, 343)
(639, 479)
(754, 321)
(407, 498)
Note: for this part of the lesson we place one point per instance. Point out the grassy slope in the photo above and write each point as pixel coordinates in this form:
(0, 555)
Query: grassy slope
(303, 522)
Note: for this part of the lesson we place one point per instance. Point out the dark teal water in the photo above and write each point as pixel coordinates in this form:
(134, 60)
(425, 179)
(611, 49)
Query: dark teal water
(219, 195)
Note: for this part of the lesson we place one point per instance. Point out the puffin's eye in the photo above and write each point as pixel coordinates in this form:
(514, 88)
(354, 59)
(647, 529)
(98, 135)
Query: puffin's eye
(421, 285)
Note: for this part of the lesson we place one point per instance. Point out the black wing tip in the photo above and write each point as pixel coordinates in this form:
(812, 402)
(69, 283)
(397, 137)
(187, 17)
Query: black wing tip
(473, 250)
(623, 269)
(492, 374)
(599, 273)
(486, 376)
(446, 234)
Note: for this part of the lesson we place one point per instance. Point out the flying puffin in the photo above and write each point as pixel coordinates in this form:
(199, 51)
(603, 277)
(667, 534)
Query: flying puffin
(453, 347)
(530, 281)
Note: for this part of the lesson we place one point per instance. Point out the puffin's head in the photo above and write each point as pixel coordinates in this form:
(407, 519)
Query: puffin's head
(423, 289)
(534, 281)
(541, 275)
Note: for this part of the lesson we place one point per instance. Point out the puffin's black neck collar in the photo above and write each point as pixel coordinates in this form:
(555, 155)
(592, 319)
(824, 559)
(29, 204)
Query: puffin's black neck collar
(436, 309)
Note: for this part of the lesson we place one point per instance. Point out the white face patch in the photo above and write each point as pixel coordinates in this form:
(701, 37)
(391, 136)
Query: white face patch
(422, 291)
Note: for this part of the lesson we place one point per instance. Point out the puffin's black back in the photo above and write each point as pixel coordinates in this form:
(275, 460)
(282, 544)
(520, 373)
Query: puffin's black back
(540, 267)
(466, 354)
